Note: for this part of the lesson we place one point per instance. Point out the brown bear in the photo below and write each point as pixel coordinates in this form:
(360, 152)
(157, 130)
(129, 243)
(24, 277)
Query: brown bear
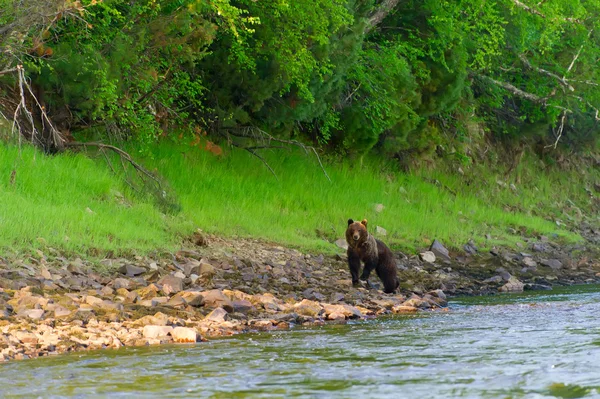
(362, 246)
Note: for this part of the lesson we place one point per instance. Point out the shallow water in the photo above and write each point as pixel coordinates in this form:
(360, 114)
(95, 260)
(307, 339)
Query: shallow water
(510, 346)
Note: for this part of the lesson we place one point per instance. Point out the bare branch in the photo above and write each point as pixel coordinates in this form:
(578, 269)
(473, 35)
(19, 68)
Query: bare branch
(123, 156)
(6, 71)
(576, 56)
(251, 151)
(562, 80)
(528, 9)
(532, 10)
(379, 15)
(559, 130)
(255, 134)
(523, 94)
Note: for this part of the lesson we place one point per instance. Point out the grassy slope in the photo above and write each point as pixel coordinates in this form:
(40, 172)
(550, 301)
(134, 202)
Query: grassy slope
(237, 195)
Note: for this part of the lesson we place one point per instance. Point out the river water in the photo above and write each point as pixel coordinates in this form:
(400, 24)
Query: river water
(509, 346)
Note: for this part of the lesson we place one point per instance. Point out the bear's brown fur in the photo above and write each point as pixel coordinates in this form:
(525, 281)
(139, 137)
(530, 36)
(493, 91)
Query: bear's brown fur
(362, 246)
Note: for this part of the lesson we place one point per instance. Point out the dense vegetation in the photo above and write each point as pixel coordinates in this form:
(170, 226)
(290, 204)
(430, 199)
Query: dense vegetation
(351, 75)
(76, 204)
(490, 87)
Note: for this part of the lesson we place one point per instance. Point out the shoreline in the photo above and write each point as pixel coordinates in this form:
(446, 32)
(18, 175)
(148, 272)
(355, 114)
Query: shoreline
(53, 305)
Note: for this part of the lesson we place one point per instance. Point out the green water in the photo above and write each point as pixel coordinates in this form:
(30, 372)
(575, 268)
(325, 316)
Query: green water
(511, 346)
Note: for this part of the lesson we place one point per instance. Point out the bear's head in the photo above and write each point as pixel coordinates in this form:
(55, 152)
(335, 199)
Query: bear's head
(356, 233)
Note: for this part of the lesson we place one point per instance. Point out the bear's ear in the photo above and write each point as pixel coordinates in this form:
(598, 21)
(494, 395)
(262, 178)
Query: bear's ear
(350, 221)
(364, 222)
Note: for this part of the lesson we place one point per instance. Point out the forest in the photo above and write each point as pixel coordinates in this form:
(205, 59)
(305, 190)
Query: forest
(401, 79)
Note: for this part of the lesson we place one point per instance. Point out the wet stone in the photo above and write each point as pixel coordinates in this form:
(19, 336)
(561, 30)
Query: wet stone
(184, 335)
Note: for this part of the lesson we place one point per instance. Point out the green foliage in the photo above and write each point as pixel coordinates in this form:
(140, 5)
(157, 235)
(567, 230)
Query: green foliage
(313, 70)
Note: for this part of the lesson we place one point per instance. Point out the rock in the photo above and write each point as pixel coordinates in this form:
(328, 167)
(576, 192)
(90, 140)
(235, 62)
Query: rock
(34, 314)
(93, 301)
(243, 306)
(439, 250)
(131, 270)
(417, 302)
(337, 297)
(219, 315)
(193, 298)
(539, 247)
(427, 256)
(493, 280)
(268, 302)
(336, 316)
(380, 231)
(348, 311)
(216, 298)
(122, 283)
(171, 284)
(529, 262)
(404, 309)
(311, 294)
(341, 243)
(379, 208)
(159, 319)
(206, 270)
(60, 311)
(513, 285)
(177, 302)
(184, 335)
(26, 337)
(262, 324)
(154, 331)
(180, 275)
(159, 300)
(45, 273)
(148, 292)
(554, 264)
(470, 248)
(308, 308)
(538, 287)
(132, 297)
(439, 294)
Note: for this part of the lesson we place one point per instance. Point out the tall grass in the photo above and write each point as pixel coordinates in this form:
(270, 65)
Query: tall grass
(237, 195)
(75, 203)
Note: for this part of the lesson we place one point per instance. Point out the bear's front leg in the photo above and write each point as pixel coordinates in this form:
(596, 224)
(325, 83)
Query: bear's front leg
(354, 265)
(369, 266)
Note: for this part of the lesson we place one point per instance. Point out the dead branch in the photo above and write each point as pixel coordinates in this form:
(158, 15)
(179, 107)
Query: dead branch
(528, 9)
(523, 94)
(379, 15)
(562, 80)
(559, 130)
(532, 10)
(240, 137)
(576, 56)
(124, 158)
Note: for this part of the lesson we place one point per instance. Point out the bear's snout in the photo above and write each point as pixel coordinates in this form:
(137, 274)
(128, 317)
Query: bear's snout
(356, 237)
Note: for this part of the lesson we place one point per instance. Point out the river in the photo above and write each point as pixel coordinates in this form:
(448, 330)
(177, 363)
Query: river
(507, 346)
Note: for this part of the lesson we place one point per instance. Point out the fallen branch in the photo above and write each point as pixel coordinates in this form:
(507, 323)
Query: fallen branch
(256, 135)
(124, 157)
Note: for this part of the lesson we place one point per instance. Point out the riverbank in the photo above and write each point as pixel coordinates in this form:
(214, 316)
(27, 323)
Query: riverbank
(50, 304)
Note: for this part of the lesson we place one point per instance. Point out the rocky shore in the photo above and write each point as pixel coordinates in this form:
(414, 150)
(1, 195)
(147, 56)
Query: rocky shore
(50, 304)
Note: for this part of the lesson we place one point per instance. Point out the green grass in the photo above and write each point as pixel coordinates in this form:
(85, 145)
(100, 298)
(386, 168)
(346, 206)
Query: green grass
(236, 195)
(73, 203)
